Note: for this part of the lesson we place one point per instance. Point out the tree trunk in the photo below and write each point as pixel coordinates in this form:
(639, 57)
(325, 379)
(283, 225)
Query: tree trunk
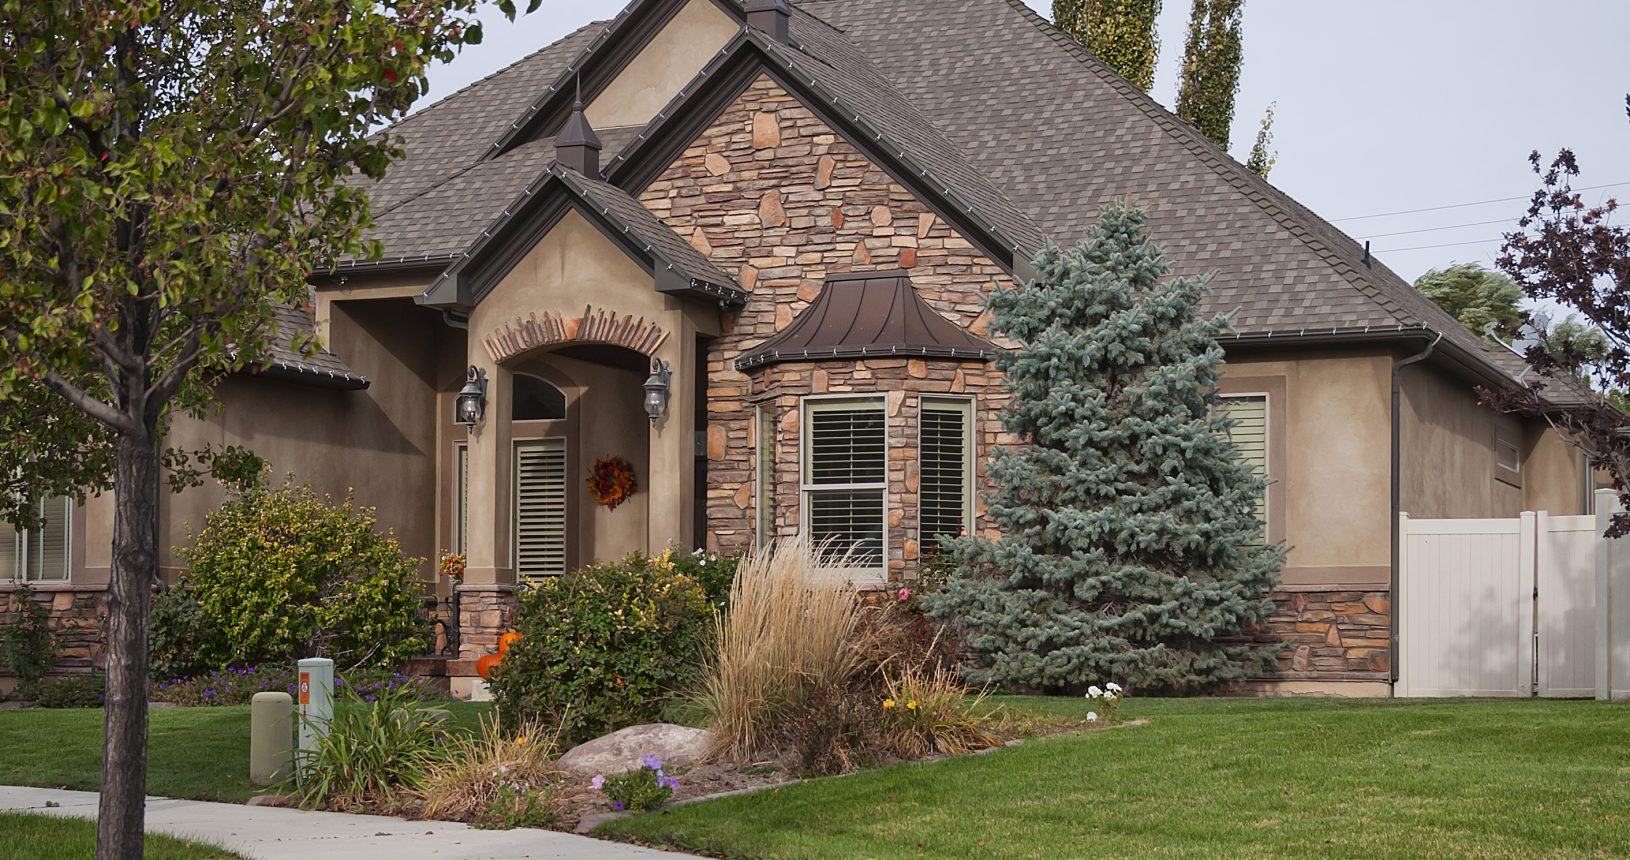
(135, 568)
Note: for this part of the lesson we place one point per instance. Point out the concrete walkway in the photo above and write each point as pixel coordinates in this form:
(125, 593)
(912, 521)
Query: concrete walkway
(266, 833)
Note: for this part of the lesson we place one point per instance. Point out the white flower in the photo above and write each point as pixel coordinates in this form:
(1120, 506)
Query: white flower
(1092, 716)
(1094, 691)
(1113, 686)
(1110, 694)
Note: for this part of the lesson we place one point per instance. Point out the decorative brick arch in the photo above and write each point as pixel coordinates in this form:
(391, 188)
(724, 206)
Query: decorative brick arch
(551, 328)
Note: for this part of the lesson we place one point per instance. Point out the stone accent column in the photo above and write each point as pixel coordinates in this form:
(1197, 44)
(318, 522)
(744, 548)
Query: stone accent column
(486, 611)
(76, 618)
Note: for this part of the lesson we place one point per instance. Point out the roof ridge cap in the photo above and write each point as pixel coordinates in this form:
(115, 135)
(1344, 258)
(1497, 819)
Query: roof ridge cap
(1225, 167)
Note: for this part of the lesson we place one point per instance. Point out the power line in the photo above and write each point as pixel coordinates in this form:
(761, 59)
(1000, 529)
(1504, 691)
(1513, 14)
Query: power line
(1477, 203)
(1436, 229)
(1444, 245)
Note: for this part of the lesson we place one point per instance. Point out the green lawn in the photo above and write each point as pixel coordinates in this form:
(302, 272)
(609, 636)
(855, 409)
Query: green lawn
(1218, 778)
(45, 837)
(193, 753)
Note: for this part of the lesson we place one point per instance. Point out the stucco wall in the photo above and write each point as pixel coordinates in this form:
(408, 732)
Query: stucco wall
(1337, 451)
(1447, 462)
(672, 59)
(380, 442)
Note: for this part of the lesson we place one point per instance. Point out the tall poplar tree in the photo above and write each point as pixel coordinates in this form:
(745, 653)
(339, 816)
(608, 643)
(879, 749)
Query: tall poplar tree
(1212, 56)
(1130, 547)
(170, 171)
(1119, 32)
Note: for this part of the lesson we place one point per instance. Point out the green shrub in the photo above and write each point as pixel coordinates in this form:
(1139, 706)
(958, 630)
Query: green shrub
(181, 637)
(73, 691)
(377, 754)
(237, 685)
(601, 646)
(712, 571)
(286, 573)
(27, 646)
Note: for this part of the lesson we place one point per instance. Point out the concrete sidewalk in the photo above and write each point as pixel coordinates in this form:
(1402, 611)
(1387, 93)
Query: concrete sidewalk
(265, 833)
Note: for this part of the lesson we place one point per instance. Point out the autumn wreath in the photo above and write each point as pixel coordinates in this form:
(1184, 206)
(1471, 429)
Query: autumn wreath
(612, 481)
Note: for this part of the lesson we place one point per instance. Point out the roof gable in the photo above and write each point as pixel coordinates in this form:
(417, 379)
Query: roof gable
(676, 267)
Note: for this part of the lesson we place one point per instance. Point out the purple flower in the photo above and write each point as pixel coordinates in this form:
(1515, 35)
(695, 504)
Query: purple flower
(368, 698)
(209, 694)
(599, 782)
(618, 805)
(668, 782)
(651, 761)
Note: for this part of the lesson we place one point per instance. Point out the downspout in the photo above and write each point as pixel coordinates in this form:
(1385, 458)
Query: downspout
(1398, 366)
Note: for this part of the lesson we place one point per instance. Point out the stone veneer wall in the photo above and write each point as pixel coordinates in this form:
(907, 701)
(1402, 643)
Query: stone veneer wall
(773, 195)
(485, 612)
(1331, 634)
(77, 612)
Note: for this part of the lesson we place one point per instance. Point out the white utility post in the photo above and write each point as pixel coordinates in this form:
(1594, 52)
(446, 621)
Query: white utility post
(315, 702)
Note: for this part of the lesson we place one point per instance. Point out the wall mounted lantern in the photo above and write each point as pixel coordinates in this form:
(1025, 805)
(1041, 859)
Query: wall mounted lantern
(471, 404)
(656, 389)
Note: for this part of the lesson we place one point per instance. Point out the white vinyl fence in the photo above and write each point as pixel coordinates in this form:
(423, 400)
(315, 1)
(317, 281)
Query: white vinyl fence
(1533, 605)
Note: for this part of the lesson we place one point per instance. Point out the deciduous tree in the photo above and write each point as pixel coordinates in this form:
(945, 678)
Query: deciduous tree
(1120, 32)
(1212, 56)
(169, 171)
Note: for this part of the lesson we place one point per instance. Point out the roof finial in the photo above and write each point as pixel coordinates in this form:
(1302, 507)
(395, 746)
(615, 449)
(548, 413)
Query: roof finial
(576, 144)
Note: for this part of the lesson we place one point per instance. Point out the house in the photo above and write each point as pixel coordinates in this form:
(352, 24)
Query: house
(747, 249)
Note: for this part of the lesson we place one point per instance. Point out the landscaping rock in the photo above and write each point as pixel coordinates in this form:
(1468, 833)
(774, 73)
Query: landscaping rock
(622, 750)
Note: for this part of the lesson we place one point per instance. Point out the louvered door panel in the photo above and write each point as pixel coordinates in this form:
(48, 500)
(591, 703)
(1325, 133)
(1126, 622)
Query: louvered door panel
(540, 509)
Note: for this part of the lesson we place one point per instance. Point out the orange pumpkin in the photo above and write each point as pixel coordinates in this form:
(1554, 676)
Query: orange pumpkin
(507, 640)
(483, 666)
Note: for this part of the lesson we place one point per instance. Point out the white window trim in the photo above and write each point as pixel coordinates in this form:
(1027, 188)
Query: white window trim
(1267, 451)
(859, 575)
(970, 481)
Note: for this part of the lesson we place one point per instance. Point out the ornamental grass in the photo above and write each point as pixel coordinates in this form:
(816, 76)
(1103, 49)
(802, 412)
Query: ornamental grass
(789, 629)
(495, 777)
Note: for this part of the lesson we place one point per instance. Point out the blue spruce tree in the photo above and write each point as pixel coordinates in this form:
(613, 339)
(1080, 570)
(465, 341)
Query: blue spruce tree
(1131, 548)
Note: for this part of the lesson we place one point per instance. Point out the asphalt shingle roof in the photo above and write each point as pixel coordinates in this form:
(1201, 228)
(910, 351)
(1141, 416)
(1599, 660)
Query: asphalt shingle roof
(1009, 117)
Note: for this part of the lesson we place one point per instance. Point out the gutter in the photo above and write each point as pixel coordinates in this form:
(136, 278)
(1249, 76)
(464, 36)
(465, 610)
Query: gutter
(1398, 366)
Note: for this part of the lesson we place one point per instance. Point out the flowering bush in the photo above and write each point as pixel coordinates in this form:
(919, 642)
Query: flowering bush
(638, 790)
(1106, 702)
(931, 711)
(712, 571)
(286, 573)
(237, 685)
(602, 646)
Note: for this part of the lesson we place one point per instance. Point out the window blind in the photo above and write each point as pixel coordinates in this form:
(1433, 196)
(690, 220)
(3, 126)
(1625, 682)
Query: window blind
(461, 498)
(540, 509)
(845, 477)
(38, 555)
(1249, 433)
(946, 477)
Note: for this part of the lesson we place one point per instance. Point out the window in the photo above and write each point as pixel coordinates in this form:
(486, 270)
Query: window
(39, 555)
(946, 477)
(1249, 433)
(1507, 457)
(536, 400)
(540, 509)
(846, 477)
(461, 496)
(764, 478)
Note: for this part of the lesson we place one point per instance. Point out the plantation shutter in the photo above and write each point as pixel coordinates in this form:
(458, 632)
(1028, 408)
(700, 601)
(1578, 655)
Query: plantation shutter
(846, 475)
(946, 477)
(766, 476)
(11, 552)
(48, 545)
(1249, 434)
(540, 509)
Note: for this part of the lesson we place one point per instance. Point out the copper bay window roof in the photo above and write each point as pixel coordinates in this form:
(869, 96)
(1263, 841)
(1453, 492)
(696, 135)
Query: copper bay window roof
(868, 315)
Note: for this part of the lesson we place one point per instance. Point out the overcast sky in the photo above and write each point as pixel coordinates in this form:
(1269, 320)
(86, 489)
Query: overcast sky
(1384, 106)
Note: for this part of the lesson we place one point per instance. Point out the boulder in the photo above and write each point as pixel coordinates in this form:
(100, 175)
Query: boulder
(622, 750)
